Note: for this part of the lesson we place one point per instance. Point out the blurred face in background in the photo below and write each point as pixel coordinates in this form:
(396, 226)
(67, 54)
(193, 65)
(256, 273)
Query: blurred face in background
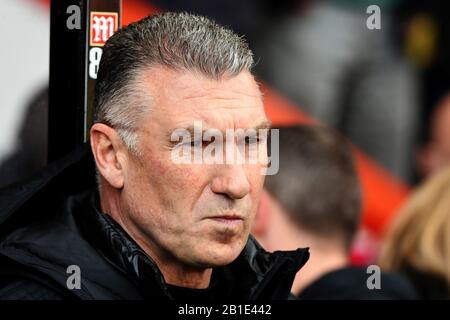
(435, 155)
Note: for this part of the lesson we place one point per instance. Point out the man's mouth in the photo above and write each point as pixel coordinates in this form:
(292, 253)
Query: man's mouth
(230, 220)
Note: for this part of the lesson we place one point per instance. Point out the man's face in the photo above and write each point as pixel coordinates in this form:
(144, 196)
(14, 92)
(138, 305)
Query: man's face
(441, 135)
(436, 153)
(196, 214)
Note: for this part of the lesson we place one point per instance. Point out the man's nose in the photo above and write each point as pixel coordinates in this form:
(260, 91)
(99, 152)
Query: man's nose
(231, 180)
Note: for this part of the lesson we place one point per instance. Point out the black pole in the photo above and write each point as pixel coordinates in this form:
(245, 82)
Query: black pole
(78, 30)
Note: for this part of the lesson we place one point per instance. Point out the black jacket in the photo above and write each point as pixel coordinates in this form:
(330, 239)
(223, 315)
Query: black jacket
(429, 286)
(350, 283)
(53, 222)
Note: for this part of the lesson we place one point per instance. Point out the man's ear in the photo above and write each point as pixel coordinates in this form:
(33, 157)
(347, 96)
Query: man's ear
(262, 215)
(108, 151)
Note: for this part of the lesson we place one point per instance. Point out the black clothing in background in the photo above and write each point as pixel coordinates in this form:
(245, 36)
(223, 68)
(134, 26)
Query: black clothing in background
(351, 283)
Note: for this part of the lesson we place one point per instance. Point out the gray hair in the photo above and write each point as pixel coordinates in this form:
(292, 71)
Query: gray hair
(180, 41)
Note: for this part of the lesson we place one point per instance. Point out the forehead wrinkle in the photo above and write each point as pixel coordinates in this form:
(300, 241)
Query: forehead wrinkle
(215, 105)
(216, 118)
(220, 94)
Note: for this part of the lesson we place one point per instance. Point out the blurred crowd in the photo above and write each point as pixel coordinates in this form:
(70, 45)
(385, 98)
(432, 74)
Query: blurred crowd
(386, 90)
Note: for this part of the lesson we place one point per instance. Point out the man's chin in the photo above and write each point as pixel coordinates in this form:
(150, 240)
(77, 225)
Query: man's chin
(220, 254)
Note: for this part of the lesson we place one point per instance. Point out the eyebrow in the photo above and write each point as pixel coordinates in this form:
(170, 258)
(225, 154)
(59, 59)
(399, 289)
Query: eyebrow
(191, 129)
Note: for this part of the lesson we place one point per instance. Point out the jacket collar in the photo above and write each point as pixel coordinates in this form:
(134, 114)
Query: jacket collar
(120, 249)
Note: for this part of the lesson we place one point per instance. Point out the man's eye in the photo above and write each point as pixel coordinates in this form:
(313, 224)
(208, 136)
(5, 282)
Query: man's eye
(198, 143)
(251, 140)
(193, 143)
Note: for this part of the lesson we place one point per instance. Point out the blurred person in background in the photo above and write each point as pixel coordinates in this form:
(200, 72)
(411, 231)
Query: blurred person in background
(427, 45)
(30, 152)
(325, 58)
(434, 155)
(418, 242)
(315, 201)
(247, 18)
(24, 52)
